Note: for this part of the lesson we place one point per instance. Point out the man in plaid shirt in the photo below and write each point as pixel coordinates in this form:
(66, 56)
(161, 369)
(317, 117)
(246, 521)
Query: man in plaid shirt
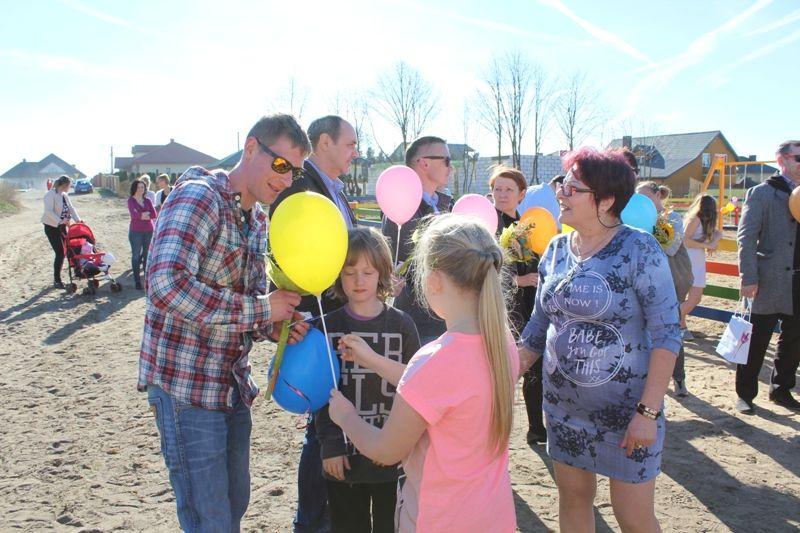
(206, 304)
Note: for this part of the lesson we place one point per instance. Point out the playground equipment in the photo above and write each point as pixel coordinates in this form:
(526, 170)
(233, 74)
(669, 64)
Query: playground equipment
(726, 171)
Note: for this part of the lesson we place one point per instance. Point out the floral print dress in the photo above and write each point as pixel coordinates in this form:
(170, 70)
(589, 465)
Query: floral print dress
(596, 322)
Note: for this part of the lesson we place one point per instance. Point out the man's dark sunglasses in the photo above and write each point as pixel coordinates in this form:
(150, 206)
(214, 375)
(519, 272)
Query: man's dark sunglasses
(797, 158)
(280, 164)
(446, 159)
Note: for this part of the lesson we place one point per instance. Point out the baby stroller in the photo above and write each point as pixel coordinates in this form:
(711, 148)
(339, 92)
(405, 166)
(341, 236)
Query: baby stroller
(88, 266)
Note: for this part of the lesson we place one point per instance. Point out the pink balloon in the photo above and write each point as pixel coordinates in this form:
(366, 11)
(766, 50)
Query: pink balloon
(479, 206)
(399, 192)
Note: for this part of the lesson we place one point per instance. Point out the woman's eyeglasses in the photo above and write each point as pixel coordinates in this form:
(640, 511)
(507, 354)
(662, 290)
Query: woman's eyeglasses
(568, 189)
(280, 164)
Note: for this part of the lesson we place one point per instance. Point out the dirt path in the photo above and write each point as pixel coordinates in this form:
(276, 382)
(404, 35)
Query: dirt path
(80, 449)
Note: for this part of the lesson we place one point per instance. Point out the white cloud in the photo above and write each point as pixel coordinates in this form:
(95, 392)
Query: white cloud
(694, 54)
(780, 23)
(493, 25)
(65, 64)
(722, 76)
(105, 17)
(598, 33)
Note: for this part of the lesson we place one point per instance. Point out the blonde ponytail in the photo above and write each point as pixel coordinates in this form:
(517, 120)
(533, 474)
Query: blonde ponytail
(492, 321)
(468, 254)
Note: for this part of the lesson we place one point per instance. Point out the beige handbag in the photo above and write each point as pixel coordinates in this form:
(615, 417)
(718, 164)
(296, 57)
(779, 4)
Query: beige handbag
(681, 267)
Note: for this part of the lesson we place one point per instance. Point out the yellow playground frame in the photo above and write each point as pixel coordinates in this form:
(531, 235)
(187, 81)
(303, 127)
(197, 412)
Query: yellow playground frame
(721, 166)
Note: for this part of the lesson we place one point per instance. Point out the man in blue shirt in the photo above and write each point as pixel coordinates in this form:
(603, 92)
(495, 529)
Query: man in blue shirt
(333, 146)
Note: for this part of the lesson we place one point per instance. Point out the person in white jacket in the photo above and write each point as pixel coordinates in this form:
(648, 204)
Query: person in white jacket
(58, 212)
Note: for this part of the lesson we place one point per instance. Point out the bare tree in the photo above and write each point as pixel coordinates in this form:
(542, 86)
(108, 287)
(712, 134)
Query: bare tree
(516, 94)
(576, 111)
(489, 103)
(642, 136)
(541, 106)
(406, 99)
(292, 99)
(356, 111)
(469, 158)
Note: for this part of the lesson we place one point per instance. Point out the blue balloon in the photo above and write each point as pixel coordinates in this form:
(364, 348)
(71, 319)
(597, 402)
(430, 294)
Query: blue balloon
(640, 213)
(304, 380)
(541, 196)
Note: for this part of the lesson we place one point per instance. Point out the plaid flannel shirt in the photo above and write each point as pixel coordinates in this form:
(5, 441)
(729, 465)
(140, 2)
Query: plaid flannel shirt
(206, 294)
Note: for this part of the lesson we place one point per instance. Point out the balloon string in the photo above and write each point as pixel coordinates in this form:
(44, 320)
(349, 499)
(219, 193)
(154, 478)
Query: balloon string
(397, 247)
(328, 345)
(330, 354)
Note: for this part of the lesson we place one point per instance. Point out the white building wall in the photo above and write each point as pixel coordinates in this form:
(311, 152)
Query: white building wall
(162, 168)
(548, 167)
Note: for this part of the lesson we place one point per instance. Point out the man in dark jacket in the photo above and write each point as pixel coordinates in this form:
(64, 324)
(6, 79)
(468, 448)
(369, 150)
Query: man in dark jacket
(333, 145)
(429, 157)
(769, 264)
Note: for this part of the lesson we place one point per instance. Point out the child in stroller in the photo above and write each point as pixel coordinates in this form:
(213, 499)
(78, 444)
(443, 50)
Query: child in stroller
(84, 261)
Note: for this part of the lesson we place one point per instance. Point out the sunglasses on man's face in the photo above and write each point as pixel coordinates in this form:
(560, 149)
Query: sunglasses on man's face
(280, 164)
(568, 189)
(796, 158)
(446, 159)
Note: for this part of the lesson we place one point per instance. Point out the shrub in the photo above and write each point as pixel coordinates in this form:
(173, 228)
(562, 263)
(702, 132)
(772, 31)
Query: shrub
(9, 200)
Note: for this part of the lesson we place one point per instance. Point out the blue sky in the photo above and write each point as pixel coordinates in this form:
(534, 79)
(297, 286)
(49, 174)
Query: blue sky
(80, 76)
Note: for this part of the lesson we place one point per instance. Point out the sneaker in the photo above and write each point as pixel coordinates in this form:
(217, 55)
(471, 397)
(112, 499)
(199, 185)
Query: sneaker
(680, 389)
(744, 407)
(536, 437)
(784, 399)
(58, 285)
(686, 334)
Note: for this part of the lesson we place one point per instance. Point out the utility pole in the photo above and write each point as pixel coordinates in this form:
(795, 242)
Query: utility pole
(112, 161)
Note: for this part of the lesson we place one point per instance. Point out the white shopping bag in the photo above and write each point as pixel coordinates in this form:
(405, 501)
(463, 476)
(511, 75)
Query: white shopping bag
(735, 342)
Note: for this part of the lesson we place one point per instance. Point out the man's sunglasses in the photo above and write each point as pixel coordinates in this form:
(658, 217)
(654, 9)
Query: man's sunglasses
(796, 158)
(446, 159)
(280, 164)
(568, 189)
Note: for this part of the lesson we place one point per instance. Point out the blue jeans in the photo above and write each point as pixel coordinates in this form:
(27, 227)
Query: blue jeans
(207, 454)
(312, 493)
(140, 245)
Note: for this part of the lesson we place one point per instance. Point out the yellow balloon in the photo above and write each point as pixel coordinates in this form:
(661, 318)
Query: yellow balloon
(308, 238)
(794, 203)
(545, 228)
(566, 228)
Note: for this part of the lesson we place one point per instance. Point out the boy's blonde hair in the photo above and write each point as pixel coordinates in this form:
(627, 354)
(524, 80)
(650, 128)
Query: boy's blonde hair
(468, 255)
(367, 242)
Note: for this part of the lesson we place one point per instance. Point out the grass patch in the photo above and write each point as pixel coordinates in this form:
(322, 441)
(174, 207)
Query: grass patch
(9, 199)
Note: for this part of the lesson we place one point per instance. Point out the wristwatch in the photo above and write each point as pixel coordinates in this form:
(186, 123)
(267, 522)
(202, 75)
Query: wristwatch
(646, 412)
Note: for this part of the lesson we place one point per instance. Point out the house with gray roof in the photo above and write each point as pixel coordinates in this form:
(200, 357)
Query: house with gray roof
(34, 174)
(227, 163)
(171, 158)
(680, 161)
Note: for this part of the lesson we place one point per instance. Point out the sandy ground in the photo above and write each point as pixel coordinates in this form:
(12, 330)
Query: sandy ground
(80, 450)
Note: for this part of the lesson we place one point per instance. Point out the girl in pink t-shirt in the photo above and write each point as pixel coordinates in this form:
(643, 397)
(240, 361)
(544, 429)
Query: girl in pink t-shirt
(451, 418)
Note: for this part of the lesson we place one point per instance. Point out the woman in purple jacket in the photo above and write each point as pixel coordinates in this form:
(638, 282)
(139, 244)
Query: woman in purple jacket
(141, 229)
